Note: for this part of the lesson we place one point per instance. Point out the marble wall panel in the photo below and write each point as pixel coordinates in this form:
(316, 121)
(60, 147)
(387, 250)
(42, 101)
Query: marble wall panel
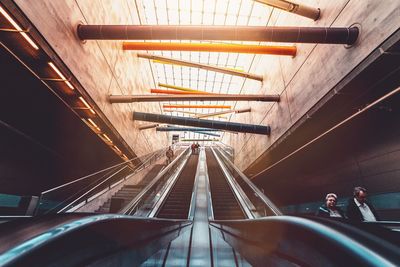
(102, 67)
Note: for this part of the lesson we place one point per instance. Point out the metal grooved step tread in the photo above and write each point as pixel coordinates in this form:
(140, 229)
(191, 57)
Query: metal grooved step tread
(225, 205)
(178, 202)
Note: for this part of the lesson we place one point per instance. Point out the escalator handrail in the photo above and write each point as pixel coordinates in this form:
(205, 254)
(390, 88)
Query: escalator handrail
(69, 205)
(263, 234)
(135, 171)
(137, 232)
(148, 157)
(136, 201)
(275, 210)
(65, 206)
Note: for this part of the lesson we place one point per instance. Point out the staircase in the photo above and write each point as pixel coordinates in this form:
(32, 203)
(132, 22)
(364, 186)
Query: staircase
(129, 192)
(225, 205)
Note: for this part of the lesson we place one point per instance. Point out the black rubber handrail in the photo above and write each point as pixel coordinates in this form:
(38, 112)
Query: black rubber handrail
(293, 240)
(85, 239)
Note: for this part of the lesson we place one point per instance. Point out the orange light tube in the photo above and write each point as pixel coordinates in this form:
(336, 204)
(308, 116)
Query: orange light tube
(230, 48)
(176, 92)
(196, 106)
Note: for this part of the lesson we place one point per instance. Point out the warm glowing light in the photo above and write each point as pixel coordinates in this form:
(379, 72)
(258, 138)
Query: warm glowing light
(94, 124)
(18, 28)
(107, 138)
(69, 85)
(51, 64)
(196, 106)
(86, 104)
(237, 68)
(116, 148)
(228, 13)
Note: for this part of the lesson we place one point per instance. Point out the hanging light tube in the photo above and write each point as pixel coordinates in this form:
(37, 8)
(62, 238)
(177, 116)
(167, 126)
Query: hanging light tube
(170, 86)
(86, 104)
(116, 148)
(18, 28)
(191, 97)
(224, 112)
(51, 64)
(178, 92)
(196, 106)
(301, 10)
(170, 128)
(196, 114)
(148, 126)
(94, 124)
(166, 60)
(107, 138)
(215, 47)
(316, 35)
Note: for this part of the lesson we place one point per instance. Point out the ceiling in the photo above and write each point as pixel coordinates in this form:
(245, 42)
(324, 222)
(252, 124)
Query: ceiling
(202, 12)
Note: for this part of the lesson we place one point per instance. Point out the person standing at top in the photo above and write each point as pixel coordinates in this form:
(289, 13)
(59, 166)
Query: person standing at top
(169, 154)
(329, 209)
(359, 209)
(193, 147)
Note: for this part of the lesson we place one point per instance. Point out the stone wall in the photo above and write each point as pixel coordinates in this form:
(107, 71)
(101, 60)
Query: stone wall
(303, 80)
(102, 67)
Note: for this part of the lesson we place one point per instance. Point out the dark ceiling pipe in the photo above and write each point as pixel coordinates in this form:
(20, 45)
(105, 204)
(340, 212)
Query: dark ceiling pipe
(182, 129)
(186, 121)
(194, 97)
(321, 35)
(210, 134)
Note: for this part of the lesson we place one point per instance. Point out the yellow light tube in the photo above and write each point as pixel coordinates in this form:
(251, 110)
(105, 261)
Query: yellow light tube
(18, 28)
(86, 104)
(51, 64)
(94, 124)
(107, 138)
(196, 106)
(170, 63)
(116, 148)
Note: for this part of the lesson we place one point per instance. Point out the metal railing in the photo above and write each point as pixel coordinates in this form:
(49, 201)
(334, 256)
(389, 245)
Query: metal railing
(82, 190)
(263, 205)
(228, 150)
(145, 201)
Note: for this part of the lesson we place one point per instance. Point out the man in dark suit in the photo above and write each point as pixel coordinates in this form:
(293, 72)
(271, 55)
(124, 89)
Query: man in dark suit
(359, 209)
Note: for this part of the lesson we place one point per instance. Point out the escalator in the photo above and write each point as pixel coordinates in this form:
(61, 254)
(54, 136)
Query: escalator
(176, 240)
(225, 205)
(177, 204)
(129, 192)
